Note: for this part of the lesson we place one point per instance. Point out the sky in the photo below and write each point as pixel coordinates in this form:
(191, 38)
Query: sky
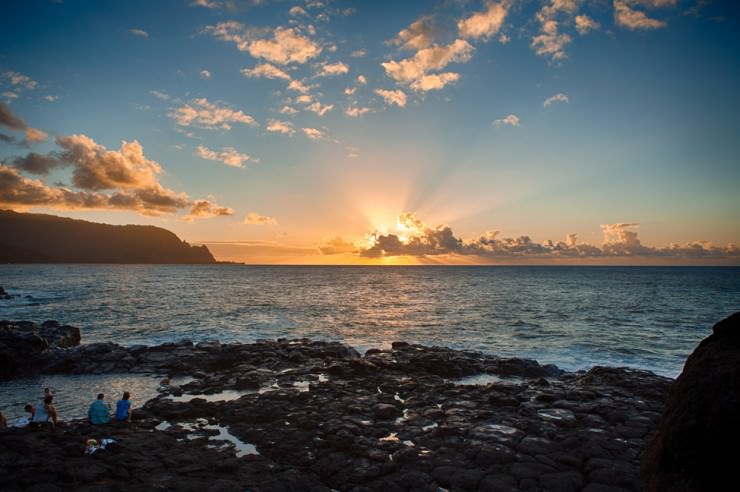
(383, 132)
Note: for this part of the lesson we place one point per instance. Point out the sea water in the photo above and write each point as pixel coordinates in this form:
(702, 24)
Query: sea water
(574, 317)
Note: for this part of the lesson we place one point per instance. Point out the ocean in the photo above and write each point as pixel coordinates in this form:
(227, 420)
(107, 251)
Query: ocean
(574, 317)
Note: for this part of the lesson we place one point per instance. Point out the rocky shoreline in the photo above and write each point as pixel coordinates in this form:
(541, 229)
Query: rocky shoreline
(310, 415)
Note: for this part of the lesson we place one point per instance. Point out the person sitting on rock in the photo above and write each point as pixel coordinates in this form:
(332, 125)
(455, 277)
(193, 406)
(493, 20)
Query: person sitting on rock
(123, 408)
(99, 412)
(39, 415)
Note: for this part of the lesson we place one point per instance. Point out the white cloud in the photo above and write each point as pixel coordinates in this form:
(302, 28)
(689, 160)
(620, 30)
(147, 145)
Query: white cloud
(329, 69)
(205, 114)
(585, 24)
(161, 95)
(511, 120)
(320, 109)
(51, 98)
(413, 70)
(361, 79)
(483, 24)
(355, 111)
(278, 126)
(296, 11)
(253, 218)
(286, 45)
(266, 70)
(397, 97)
(229, 156)
(18, 79)
(349, 91)
(304, 99)
(626, 16)
(359, 53)
(313, 133)
(434, 81)
(503, 38)
(298, 86)
(560, 97)
(10, 96)
(139, 33)
(206, 74)
(288, 110)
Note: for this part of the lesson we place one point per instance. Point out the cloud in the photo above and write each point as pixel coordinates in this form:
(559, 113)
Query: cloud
(415, 238)
(336, 246)
(161, 95)
(51, 98)
(331, 69)
(626, 16)
(205, 114)
(37, 163)
(6, 138)
(511, 120)
(206, 74)
(267, 71)
(355, 111)
(298, 86)
(419, 35)
(551, 43)
(122, 179)
(7, 118)
(320, 109)
(361, 79)
(585, 24)
(397, 97)
(296, 11)
(359, 53)
(139, 33)
(288, 110)
(278, 126)
(20, 80)
(414, 71)
(483, 24)
(35, 135)
(560, 97)
(10, 95)
(202, 209)
(348, 91)
(253, 218)
(229, 156)
(286, 44)
(313, 133)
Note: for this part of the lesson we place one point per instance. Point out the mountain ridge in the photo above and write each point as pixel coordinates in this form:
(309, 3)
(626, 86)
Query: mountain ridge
(43, 238)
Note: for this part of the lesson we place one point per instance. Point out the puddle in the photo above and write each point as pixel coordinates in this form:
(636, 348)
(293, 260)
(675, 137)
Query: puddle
(228, 439)
(226, 395)
(484, 379)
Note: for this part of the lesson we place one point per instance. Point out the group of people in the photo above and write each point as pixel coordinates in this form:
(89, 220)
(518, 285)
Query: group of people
(99, 411)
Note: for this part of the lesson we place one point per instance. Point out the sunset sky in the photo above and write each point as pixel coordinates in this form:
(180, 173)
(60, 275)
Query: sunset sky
(451, 131)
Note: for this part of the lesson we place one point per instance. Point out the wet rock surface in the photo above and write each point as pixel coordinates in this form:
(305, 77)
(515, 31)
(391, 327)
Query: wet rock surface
(23, 345)
(322, 417)
(694, 449)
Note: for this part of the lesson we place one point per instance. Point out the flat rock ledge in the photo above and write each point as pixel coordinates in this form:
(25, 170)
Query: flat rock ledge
(322, 417)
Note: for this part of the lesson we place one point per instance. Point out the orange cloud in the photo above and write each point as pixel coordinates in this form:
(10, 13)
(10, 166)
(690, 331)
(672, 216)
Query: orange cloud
(253, 218)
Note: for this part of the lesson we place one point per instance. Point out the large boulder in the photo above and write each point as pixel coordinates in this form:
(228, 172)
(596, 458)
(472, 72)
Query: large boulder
(695, 448)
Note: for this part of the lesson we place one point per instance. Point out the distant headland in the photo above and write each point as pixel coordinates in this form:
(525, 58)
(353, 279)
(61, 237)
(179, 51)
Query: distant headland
(40, 238)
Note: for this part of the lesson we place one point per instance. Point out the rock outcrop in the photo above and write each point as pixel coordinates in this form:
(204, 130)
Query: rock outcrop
(319, 416)
(695, 447)
(24, 344)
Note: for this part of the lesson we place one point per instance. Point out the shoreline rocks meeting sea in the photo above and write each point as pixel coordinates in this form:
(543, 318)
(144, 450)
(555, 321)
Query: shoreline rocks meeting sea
(291, 415)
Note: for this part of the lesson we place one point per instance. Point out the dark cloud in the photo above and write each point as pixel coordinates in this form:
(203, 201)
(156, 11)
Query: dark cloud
(336, 246)
(37, 163)
(7, 118)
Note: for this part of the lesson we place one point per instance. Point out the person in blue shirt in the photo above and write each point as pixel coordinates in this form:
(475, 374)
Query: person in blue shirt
(99, 412)
(123, 408)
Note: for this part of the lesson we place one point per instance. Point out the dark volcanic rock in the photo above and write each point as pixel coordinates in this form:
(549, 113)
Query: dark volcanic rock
(693, 449)
(22, 343)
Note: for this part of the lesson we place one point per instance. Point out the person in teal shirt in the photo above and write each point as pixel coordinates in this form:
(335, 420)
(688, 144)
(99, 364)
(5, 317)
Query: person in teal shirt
(99, 411)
